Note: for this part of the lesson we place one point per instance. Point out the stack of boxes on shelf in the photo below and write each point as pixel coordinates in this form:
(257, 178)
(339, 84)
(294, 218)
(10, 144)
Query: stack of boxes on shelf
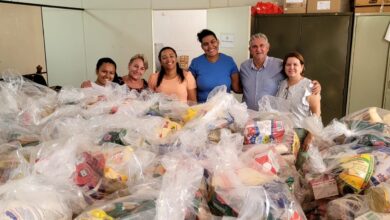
(294, 6)
(335, 6)
(372, 6)
(329, 6)
(316, 6)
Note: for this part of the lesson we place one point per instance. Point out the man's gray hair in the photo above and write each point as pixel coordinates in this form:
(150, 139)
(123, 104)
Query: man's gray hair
(259, 35)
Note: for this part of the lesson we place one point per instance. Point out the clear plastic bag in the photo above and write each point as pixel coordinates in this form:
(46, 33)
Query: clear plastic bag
(14, 162)
(382, 166)
(12, 132)
(205, 122)
(347, 208)
(106, 171)
(33, 198)
(378, 197)
(33, 101)
(371, 114)
(239, 188)
(180, 183)
(25, 106)
(275, 128)
(97, 171)
(314, 163)
(370, 126)
(264, 158)
(273, 104)
(140, 205)
(325, 137)
(220, 111)
(354, 173)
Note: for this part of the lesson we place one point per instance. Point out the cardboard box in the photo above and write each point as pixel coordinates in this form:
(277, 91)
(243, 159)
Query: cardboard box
(327, 6)
(183, 61)
(371, 2)
(324, 187)
(372, 9)
(294, 6)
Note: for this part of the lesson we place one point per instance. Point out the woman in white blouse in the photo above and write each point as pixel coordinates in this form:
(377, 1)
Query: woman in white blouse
(297, 90)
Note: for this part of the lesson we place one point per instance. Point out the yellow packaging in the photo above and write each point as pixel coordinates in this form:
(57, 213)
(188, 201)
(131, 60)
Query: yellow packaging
(357, 171)
(97, 214)
(295, 145)
(190, 114)
(168, 128)
(116, 164)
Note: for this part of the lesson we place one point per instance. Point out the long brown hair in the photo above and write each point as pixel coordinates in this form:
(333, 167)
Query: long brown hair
(179, 70)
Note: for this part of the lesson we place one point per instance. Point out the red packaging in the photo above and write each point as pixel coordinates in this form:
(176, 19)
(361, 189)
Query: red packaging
(266, 8)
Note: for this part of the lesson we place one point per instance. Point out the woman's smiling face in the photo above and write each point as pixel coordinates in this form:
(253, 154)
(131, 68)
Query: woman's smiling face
(105, 73)
(136, 69)
(210, 46)
(168, 59)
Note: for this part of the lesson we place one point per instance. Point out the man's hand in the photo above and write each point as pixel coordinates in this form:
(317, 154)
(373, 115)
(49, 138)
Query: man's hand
(86, 84)
(306, 143)
(316, 90)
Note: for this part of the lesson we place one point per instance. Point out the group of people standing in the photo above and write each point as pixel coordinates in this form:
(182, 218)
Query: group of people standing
(258, 76)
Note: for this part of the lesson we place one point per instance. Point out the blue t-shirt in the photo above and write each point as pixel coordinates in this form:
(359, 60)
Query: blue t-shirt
(210, 75)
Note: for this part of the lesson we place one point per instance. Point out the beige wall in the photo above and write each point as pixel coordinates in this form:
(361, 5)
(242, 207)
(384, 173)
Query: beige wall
(369, 69)
(21, 39)
(118, 34)
(121, 28)
(117, 4)
(233, 21)
(168, 26)
(165, 4)
(65, 3)
(65, 48)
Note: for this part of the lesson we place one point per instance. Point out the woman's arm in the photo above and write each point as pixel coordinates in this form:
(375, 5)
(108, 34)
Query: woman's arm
(236, 83)
(315, 108)
(152, 82)
(191, 87)
(315, 104)
(191, 97)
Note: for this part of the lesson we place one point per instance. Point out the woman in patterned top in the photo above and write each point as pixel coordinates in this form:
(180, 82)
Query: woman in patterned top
(297, 90)
(137, 67)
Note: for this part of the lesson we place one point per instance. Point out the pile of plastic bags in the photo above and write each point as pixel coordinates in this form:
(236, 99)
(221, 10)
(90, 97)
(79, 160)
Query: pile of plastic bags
(114, 154)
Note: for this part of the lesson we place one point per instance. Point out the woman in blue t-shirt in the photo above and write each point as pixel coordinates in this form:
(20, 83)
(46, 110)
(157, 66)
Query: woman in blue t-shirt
(212, 68)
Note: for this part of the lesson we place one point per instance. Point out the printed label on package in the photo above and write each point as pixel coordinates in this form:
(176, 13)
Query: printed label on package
(324, 187)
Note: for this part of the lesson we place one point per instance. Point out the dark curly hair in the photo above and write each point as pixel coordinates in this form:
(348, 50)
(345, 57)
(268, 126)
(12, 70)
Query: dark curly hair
(204, 33)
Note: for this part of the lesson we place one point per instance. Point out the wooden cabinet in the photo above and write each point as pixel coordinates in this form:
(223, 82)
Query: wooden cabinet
(325, 42)
(370, 70)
